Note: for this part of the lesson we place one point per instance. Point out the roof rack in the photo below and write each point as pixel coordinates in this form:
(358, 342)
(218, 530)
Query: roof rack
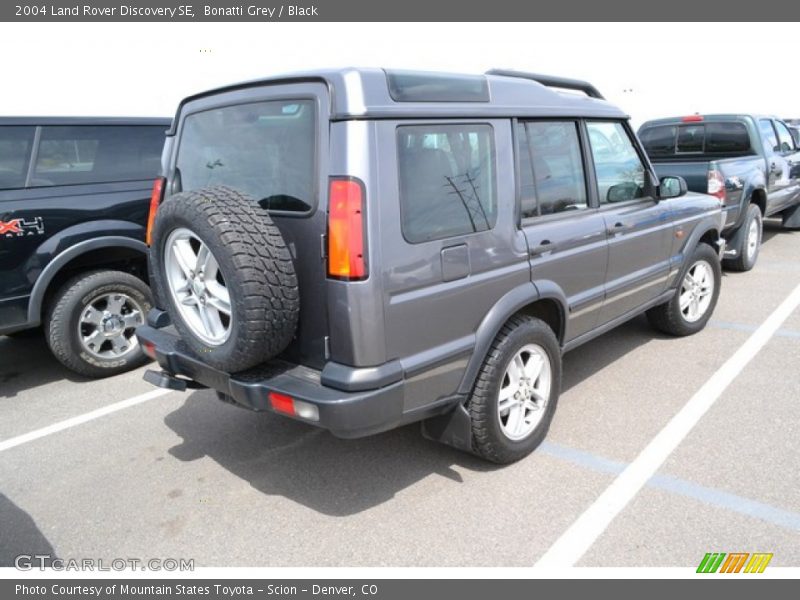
(551, 81)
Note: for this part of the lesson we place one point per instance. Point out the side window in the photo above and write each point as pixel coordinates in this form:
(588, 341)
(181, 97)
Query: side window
(784, 137)
(619, 170)
(71, 155)
(557, 163)
(768, 135)
(15, 152)
(447, 180)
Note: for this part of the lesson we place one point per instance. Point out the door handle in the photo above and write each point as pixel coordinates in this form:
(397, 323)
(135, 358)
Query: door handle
(544, 246)
(617, 227)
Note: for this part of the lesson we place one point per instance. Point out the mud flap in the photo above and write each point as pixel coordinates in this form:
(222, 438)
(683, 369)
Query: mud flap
(453, 428)
(791, 217)
(735, 243)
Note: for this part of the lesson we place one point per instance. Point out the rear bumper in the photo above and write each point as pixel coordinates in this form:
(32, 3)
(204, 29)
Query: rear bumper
(346, 414)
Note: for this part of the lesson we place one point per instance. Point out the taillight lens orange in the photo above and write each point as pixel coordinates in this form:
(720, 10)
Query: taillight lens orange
(155, 200)
(346, 230)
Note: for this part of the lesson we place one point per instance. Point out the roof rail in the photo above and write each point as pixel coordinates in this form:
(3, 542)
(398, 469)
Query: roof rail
(551, 81)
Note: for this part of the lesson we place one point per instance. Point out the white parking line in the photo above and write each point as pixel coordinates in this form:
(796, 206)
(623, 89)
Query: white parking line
(80, 419)
(575, 541)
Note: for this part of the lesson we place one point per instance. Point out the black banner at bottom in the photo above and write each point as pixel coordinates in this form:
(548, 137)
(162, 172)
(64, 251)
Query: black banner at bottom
(390, 589)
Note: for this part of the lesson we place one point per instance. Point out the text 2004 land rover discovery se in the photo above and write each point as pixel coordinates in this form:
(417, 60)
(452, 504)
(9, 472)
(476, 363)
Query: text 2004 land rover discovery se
(360, 249)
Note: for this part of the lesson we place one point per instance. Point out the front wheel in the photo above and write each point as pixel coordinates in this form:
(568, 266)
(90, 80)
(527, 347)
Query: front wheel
(91, 322)
(516, 392)
(695, 297)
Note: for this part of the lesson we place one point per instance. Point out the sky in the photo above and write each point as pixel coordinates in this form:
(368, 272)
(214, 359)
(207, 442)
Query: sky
(649, 70)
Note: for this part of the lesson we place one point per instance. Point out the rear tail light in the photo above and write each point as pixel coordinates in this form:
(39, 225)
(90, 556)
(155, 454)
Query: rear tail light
(149, 348)
(155, 200)
(346, 230)
(289, 406)
(692, 119)
(716, 185)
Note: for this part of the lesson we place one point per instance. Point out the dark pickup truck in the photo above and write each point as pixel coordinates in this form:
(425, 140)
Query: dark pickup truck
(74, 199)
(750, 162)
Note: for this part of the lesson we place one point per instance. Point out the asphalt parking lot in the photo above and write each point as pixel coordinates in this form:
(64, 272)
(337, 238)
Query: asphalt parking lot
(183, 475)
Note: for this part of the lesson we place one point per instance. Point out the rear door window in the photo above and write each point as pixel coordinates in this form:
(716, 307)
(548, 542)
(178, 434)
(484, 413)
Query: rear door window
(768, 135)
(554, 151)
(15, 152)
(265, 149)
(447, 180)
(73, 155)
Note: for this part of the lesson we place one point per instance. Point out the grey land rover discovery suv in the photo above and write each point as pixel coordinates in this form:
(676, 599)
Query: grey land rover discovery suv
(361, 248)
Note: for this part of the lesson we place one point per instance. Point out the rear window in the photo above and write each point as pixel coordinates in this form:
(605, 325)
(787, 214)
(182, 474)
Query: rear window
(72, 155)
(691, 138)
(696, 138)
(447, 180)
(15, 151)
(727, 138)
(265, 149)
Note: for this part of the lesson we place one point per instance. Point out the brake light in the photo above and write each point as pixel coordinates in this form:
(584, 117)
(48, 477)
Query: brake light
(692, 118)
(149, 348)
(346, 231)
(155, 200)
(282, 403)
(716, 185)
(296, 408)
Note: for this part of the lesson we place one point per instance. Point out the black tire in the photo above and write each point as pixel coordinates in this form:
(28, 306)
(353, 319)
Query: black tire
(62, 322)
(488, 439)
(254, 263)
(668, 317)
(745, 258)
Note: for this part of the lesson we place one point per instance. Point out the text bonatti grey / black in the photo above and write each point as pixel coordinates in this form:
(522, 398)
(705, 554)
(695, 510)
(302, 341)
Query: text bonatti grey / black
(187, 10)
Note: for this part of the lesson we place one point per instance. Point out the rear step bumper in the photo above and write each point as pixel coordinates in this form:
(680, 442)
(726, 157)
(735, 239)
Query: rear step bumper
(345, 414)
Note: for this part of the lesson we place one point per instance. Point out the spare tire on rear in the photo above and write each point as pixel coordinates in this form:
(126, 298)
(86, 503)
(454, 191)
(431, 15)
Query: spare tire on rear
(221, 269)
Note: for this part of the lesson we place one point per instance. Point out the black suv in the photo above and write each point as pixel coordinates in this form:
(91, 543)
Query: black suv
(74, 198)
(360, 249)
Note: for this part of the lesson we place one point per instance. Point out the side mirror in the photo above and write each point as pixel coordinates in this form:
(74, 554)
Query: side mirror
(671, 187)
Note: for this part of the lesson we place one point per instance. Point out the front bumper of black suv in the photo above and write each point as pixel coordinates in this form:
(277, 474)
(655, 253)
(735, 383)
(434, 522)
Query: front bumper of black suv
(288, 389)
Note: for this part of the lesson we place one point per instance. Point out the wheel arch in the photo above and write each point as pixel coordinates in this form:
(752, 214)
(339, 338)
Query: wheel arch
(543, 300)
(85, 255)
(758, 196)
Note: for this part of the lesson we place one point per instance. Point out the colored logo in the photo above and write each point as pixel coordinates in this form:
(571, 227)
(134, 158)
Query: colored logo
(22, 227)
(735, 562)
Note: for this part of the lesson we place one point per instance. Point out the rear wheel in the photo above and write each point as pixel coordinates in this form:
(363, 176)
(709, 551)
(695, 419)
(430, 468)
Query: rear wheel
(695, 298)
(516, 391)
(92, 320)
(749, 243)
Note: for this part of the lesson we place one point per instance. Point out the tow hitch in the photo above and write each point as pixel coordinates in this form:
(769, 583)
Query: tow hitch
(171, 382)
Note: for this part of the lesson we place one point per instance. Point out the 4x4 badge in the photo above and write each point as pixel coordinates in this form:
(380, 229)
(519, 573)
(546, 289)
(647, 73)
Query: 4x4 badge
(22, 227)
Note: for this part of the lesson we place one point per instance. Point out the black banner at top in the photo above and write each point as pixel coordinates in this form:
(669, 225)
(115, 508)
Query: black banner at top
(407, 10)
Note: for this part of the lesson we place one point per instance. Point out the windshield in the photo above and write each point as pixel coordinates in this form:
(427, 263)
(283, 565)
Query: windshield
(265, 149)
